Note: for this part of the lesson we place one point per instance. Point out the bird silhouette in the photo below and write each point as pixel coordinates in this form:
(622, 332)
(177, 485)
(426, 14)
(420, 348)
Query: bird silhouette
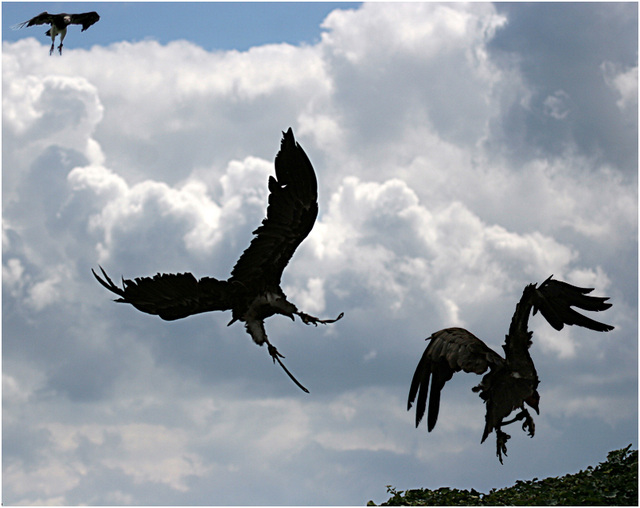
(512, 381)
(59, 24)
(253, 291)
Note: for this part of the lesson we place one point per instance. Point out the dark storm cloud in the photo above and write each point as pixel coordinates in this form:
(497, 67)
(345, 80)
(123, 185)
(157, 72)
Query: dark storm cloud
(560, 49)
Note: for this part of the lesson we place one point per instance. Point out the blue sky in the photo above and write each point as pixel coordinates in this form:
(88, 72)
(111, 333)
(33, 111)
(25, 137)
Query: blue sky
(462, 152)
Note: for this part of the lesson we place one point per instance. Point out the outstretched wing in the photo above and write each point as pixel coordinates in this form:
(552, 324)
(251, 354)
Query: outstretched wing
(40, 19)
(291, 213)
(555, 299)
(172, 296)
(85, 19)
(449, 350)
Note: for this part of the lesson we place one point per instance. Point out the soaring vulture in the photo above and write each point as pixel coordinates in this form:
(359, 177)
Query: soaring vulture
(59, 24)
(253, 292)
(512, 381)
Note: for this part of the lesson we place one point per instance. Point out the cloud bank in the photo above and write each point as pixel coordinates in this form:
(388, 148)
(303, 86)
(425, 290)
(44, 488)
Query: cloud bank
(457, 162)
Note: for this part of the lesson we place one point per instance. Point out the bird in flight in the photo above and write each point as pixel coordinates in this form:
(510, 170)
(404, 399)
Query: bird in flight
(253, 292)
(512, 381)
(59, 24)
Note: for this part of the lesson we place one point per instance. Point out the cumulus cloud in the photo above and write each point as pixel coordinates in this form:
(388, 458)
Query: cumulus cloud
(624, 83)
(449, 177)
(52, 109)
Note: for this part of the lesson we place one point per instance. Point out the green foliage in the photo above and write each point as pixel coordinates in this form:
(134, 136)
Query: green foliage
(614, 482)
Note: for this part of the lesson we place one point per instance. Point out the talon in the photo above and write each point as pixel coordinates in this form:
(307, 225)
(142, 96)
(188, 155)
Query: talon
(307, 319)
(275, 356)
(529, 426)
(274, 353)
(501, 444)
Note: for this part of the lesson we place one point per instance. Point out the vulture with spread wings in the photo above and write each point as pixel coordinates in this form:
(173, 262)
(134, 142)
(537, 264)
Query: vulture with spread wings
(253, 292)
(511, 381)
(59, 24)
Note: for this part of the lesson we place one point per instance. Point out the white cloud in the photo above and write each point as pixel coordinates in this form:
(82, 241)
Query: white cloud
(61, 109)
(426, 30)
(624, 83)
(426, 221)
(50, 482)
(399, 247)
(556, 343)
(606, 407)
(312, 299)
(12, 275)
(44, 293)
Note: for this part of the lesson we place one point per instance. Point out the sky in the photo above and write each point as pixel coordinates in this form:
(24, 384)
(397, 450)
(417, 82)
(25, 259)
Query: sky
(462, 152)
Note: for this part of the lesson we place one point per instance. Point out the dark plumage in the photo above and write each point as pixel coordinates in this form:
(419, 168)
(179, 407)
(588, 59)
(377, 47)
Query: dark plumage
(512, 381)
(59, 24)
(253, 292)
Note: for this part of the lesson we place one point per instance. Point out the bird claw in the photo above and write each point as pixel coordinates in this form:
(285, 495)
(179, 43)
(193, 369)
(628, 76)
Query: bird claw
(312, 320)
(275, 356)
(502, 437)
(501, 444)
(529, 425)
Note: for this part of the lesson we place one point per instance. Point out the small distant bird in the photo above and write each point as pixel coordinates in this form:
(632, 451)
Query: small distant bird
(253, 292)
(59, 24)
(512, 381)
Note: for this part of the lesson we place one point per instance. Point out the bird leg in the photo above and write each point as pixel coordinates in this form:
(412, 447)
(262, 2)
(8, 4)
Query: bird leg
(501, 443)
(53, 45)
(528, 425)
(275, 355)
(308, 320)
(502, 437)
(63, 34)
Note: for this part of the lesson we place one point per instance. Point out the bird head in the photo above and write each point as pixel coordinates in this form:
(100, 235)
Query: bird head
(533, 400)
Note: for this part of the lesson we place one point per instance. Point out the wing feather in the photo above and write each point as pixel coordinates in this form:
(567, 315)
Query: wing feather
(449, 351)
(555, 299)
(40, 19)
(172, 296)
(86, 19)
(291, 214)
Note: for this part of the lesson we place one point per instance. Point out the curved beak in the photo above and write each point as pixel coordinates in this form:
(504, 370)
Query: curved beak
(533, 400)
